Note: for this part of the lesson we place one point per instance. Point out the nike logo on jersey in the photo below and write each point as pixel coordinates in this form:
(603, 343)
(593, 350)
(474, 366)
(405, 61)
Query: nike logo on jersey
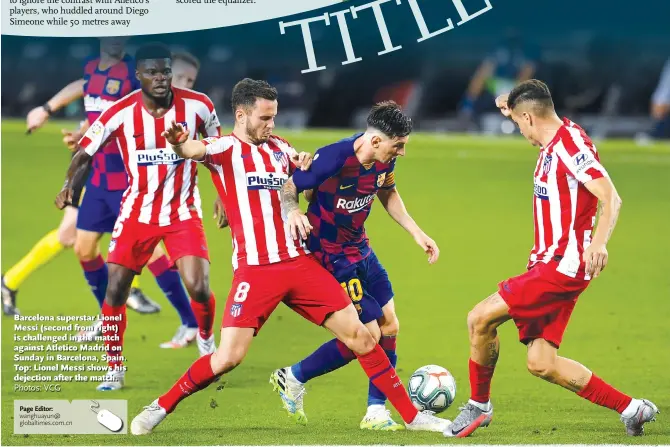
(345, 186)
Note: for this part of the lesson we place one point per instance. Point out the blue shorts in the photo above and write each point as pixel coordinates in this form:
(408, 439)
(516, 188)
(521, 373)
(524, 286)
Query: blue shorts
(368, 286)
(99, 209)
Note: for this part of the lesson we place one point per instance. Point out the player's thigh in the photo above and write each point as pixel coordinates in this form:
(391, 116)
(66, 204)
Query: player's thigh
(95, 213)
(86, 245)
(314, 293)
(489, 313)
(389, 323)
(67, 230)
(132, 244)
(255, 293)
(186, 238)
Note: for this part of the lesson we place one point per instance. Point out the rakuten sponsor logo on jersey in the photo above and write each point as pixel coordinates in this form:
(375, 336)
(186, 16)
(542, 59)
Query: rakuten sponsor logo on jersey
(154, 157)
(541, 190)
(265, 180)
(355, 205)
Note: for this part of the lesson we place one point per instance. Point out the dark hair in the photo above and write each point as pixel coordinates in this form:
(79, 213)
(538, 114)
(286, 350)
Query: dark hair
(247, 91)
(388, 118)
(531, 91)
(186, 57)
(153, 51)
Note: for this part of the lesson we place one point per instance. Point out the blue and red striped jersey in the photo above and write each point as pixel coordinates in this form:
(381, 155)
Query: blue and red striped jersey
(345, 190)
(103, 88)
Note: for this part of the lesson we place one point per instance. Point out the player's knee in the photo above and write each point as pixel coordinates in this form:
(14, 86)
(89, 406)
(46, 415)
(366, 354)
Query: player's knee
(390, 327)
(542, 368)
(117, 288)
(85, 251)
(477, 323)
(361, 341)
(224, 362)
(197, 286)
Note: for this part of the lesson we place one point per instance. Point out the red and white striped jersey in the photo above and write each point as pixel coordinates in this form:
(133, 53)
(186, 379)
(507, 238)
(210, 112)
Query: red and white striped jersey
(162, 186)
(248, 179)
(564, 210)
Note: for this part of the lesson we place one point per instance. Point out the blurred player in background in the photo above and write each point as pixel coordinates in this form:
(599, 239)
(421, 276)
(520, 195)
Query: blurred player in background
(162, 202)
(248, 169)
(569, 182)
(347, 175)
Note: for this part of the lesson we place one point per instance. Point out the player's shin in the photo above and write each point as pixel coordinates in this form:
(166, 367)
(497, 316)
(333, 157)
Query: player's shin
(198, 377)
(170, 283)
(328, 357)
(113, 330)
(96, 274)
(388, 344)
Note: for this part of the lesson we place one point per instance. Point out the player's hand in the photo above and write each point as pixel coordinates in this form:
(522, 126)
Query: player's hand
(595, 257)
(71, 138)
(501, 103)
(36, 119)
(429, 246)
(175, 134)
(64, 198)
(220, 213)
(298, 224)
(303, 160)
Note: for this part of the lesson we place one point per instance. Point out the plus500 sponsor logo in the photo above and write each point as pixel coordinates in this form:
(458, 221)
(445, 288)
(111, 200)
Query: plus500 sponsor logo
(152, 157)
(355, 205)
(541, 191)
(265, 180)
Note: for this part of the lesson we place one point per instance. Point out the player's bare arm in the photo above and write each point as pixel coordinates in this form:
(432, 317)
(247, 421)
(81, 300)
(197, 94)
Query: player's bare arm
(220, 213)
(177, 136)
(77, 174)
(394, 205)
(309, 195)
(39, 115)
(297, 221)
(595, 255)
(72, 137)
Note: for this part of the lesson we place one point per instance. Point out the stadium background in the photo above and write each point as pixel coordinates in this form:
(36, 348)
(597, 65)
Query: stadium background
(468, 186)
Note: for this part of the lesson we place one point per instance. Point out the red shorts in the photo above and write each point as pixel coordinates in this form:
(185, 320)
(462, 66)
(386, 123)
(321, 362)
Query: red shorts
(133, 242)
(301, 283)
(541, 301)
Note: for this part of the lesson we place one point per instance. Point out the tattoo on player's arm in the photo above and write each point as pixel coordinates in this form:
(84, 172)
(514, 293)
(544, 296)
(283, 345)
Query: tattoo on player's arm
(289, 196)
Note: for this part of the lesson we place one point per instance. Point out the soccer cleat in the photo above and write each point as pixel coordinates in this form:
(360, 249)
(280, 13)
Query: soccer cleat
(88, 335)
(291, 393)
(427, 421)
(468, 420)
(205, 346)
(185, 336)
(148, 419)
(113, 381)
(9, 300)
(646, 412)
(140, 303)
(380, 420)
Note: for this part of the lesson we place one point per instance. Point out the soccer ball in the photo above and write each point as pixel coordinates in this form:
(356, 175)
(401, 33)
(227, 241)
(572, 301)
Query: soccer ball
(433, 388)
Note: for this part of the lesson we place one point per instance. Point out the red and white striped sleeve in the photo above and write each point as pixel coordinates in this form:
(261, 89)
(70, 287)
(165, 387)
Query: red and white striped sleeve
(215, 148)
(578, 154)
(286, 147)
(211, 127)
(104, 128)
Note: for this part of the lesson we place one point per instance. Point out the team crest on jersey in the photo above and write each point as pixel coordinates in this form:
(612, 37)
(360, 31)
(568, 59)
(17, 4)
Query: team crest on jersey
(281, 157)
(112, 245)
(184, 124)
(380, 179)
(112, 86)
(235, 310)
(546, 166)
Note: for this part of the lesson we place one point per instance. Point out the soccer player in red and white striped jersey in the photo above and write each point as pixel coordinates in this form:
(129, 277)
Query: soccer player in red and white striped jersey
(161, 203)
(569, 182)
(249, 168)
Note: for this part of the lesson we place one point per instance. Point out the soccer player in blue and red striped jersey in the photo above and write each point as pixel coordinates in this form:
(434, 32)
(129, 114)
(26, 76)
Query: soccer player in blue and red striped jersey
(343, 181)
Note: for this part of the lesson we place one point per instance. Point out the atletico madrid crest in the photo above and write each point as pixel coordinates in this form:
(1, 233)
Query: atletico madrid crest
(546, 166)
(235, 310)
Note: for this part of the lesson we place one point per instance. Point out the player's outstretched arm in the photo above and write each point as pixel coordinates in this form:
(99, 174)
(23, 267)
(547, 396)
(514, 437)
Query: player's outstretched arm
(39, 115)
(595, 255)
(177, 136)
(297, 221)
(394, 205)
(77, 174)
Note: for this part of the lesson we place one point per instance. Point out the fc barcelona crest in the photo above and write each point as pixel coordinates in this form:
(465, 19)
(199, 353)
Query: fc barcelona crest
(113, 86)
(380, 179)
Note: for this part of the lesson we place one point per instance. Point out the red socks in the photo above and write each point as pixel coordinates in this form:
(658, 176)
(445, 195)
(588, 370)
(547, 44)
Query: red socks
(605, 395)
(480, 381)
(204, 315)
(378, 368)
(199, 376)
(113, 328)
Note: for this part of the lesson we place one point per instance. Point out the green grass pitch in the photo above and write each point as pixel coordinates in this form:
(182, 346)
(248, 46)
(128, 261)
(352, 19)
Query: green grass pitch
(473, 196)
